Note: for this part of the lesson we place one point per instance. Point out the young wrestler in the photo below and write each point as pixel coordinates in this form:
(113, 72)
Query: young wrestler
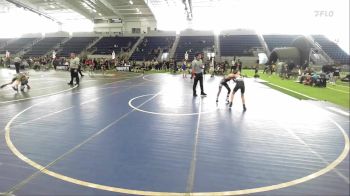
(223, 82)
(239, 85)
(19, 79)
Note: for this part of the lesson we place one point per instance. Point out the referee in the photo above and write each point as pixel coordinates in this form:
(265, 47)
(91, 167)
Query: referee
(197, 72)
(74, 65)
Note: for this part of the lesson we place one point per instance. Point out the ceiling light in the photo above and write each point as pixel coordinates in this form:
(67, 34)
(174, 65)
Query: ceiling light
(94, 10)
(131, 2)
(100, 14)
(52, 6)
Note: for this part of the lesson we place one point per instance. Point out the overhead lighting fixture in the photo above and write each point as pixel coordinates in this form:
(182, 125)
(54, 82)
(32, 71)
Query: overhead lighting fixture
(52, 6)
(188, 9)
(94, 10)
(29, 8)
(131, 2)
(100, 14)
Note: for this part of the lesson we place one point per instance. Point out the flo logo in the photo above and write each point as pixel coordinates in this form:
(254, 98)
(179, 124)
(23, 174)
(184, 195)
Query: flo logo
(323, 13)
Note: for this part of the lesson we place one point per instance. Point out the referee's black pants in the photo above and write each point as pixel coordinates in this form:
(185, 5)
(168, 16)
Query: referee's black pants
(74, 74)
(17, 67)
(198, 77)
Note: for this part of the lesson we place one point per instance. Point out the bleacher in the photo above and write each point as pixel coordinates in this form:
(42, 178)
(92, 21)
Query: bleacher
(150, 47)
(238, 45)
(3, 42)
(43, 46)
(109, 44)
(192, 44)
(75, 45)
(279, 41)
(17, 45)
(332, 49)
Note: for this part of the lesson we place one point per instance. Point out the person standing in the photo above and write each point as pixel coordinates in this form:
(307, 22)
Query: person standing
(212, 67)
(239, 65)
(79, 67)
(73, 66)
(336, 74)
(17, 61)
(233, 65)
(197, 67)
(184, 67)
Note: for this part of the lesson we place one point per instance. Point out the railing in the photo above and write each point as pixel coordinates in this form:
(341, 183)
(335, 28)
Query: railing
(217, 46)
(173, 49)
(26, 48)
(319, 58)
(132, 50)
(93, 43)
(264, 44)
(57, 47)
(323, 53)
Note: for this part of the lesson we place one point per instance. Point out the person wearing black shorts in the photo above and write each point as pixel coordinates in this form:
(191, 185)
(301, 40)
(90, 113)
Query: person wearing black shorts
(19, 79)
(239, 86)
(223, 82)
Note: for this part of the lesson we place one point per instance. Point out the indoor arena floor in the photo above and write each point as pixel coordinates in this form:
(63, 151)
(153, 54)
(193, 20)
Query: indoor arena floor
(128, 133)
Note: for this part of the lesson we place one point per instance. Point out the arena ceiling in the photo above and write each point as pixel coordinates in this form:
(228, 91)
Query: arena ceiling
(62, 10)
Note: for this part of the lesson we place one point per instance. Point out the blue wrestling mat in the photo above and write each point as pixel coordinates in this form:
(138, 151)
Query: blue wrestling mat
(147, 135)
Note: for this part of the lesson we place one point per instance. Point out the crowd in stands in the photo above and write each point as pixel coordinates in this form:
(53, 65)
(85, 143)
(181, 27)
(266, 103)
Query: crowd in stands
(147, 52)
(304, 74)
